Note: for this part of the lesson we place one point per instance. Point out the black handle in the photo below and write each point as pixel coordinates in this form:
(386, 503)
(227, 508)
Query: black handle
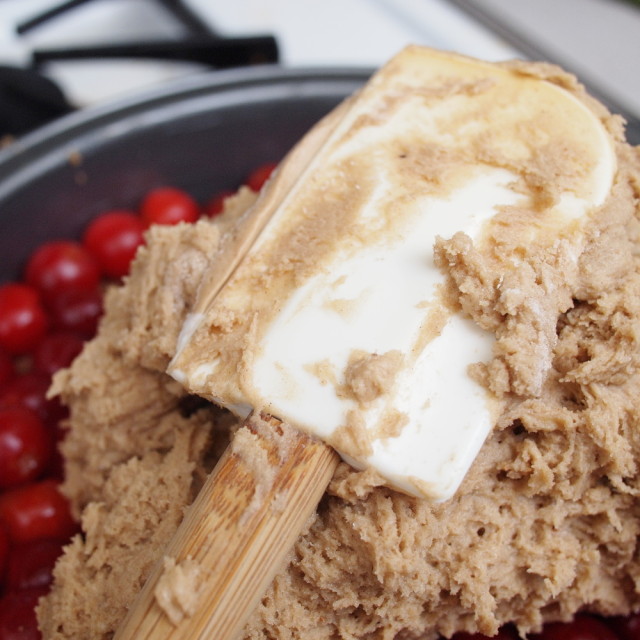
(177, 8)
(216, 52)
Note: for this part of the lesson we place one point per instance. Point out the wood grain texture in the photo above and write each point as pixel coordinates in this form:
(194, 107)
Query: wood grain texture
(238, 531)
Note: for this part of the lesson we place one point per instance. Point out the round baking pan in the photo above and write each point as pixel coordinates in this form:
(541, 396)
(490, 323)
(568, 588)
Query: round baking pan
(203, 134)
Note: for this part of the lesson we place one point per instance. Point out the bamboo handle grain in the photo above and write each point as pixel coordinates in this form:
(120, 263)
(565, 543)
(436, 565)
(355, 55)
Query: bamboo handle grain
(238, 532)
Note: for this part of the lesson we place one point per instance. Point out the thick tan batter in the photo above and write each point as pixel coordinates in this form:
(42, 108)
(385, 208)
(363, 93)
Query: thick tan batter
(546, 522)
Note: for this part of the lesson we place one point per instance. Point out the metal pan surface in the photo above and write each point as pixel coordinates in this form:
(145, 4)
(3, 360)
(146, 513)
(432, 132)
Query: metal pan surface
(203, 134)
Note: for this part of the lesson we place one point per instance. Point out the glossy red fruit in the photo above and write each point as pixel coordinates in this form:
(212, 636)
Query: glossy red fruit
(626, 627)
(56, 351)
(23, 320)
(4, 551)
(30, 390)
(18, 616)
(583, 627)
(113, 238)
(256, 179)
(56, 466)
(36, 511)
(77, 311)
(505, 633)
(31, 564)
(166, 205)
(7, 370)
(62, 265)
(26, 446)
(215, 206)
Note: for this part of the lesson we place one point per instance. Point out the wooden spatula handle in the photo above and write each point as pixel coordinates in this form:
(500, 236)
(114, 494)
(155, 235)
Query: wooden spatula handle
(238, 532)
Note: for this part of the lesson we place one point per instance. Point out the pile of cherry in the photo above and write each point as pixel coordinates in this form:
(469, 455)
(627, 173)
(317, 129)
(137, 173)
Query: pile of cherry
(44, 321)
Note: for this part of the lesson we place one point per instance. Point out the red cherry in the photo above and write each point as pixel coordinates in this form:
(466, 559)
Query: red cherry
(25, 446)
(62, 265)
(166, 205)
(31, 564)
(113, 238)
(260, 175)
(56, 351)
(505, 633)
(583, 627)
(23, 320)
(18, 616)
(4, 550)
(77, 311)
(7, 370)
(627, 627)
(215, 205)
(30, 390)
(36, 511)
(56, 466)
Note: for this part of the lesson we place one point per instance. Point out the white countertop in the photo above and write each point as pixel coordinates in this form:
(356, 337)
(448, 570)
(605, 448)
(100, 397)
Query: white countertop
(595, 38)
(598, 40)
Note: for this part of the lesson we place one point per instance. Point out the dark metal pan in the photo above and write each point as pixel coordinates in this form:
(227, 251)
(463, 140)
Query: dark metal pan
(203, 134)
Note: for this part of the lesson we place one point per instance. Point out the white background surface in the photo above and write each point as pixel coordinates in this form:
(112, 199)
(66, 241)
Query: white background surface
(599, 39)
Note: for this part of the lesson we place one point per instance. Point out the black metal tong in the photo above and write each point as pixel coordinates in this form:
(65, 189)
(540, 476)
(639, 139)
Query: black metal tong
(202, 45)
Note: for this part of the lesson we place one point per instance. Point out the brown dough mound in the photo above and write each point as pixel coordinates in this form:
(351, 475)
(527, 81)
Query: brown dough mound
(545, 524)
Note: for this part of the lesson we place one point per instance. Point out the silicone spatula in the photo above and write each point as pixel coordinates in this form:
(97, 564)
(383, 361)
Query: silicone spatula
(326, 314)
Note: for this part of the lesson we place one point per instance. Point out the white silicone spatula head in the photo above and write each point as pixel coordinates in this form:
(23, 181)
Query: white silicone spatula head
(334, 319)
